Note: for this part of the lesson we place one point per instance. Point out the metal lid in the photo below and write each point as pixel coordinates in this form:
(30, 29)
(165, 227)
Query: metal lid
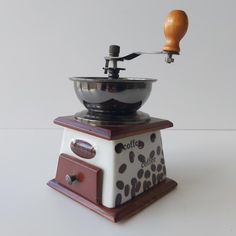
(107, 80)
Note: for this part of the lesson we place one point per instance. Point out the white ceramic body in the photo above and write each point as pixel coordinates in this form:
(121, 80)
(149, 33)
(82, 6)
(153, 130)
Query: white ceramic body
(121, 180)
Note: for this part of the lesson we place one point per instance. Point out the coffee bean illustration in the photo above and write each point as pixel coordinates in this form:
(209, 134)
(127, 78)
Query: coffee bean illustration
(138, 185)
(153, 167)
(120, 184)
(140, 144)
(149, 184)
(127, 188)
(141, 158)
(158, 150)
(131, 156)
(147, 174)
(154, 179)
(122, 168)
(162, 161)
(164, 170)
(153, 137)
(140, 173)
(133, 181)
(118, 199)
(144, 185)
(133, 192)
(159, 167)
(159, 177)
(119, 147)
(152, 154)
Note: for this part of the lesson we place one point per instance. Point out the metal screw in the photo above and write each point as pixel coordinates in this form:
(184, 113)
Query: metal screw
(70, 179)
(169, 58)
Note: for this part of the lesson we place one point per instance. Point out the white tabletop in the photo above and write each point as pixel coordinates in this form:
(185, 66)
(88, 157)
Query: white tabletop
(204, 203)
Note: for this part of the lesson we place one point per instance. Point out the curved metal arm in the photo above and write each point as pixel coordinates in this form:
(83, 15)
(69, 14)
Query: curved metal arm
(132, 55)
(113, 58)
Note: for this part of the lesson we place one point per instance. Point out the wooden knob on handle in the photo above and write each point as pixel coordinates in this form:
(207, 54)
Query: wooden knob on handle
(175, 27)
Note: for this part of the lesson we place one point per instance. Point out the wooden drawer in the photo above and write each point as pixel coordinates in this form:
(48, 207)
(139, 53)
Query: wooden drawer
(80, 177)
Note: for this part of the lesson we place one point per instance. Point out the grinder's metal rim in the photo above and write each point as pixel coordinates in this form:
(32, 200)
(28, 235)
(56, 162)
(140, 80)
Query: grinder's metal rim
(109, 80)
(97, 119)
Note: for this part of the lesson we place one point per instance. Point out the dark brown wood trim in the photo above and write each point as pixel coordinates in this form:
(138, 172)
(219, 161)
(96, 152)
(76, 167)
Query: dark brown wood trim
(126, 210)
(113, 132)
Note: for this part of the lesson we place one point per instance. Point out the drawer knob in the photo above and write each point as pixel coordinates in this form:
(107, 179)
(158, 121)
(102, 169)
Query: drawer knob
(70, 179)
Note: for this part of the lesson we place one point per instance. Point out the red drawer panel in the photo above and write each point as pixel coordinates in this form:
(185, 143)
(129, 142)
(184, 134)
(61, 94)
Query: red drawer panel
(80, 177)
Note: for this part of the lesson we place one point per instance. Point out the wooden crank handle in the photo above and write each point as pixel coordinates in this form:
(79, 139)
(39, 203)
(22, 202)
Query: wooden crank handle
(175, 27)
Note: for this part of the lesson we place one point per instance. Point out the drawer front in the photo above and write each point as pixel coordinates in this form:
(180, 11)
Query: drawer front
(80, 177)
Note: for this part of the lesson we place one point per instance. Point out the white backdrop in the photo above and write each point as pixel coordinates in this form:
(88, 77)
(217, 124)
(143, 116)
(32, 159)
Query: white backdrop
(43, 42)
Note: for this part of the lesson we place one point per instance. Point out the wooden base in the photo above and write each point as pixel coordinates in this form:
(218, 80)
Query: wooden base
(126, 210)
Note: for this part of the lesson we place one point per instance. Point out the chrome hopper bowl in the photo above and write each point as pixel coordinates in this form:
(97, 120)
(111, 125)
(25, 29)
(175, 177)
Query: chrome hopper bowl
(112, 96)
(112, 99)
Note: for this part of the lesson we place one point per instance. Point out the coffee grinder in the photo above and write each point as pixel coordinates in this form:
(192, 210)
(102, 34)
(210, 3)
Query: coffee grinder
(111, 158)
